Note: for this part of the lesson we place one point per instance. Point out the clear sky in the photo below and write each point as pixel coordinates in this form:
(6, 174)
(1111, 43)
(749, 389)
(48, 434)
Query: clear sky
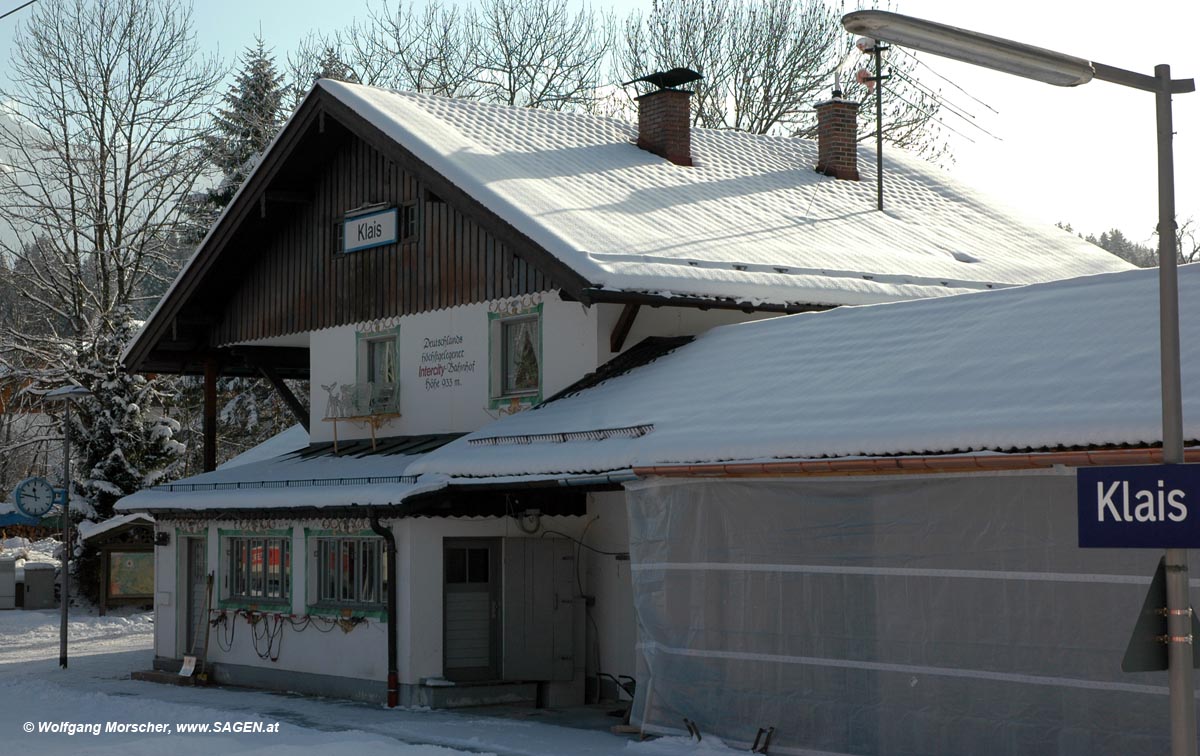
(1084, 155)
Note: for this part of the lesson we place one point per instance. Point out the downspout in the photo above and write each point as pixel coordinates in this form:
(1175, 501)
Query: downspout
(393, 679)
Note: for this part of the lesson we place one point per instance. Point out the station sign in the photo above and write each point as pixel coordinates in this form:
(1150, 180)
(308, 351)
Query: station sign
(1139, 506)
(369, 230)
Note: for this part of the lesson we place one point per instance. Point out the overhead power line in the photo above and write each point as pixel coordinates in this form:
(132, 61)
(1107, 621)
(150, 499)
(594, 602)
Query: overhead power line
(947, 80)
(6, 14)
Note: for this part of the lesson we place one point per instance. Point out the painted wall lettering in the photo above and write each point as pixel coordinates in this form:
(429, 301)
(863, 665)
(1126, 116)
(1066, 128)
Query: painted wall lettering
(443, 363)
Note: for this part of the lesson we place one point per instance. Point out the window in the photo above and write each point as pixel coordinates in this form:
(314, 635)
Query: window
(381, 360)
(376, 391)
(260, 568)
(467, 565)
(351, 571)
(516, 356)
(519, 344)
(408, 222)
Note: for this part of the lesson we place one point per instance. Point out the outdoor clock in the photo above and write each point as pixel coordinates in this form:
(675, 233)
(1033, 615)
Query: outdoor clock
(35, 496)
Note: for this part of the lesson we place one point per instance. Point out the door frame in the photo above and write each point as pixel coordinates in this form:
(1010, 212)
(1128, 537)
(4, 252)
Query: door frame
(187, 604)
(494, 586)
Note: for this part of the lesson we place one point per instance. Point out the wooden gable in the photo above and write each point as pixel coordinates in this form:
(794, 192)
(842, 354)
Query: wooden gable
(272, 265)
(297, 280)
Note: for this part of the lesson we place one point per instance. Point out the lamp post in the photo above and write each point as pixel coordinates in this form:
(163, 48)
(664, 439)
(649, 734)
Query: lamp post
(1062, 70)
(67, 395)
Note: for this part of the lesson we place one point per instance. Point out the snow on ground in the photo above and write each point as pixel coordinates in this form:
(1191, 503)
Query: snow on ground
(96, 690)
(23, 551)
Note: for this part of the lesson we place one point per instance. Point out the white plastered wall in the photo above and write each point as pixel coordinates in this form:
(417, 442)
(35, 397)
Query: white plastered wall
(360, 653)
(420, 576)
(663, 321)
(614, 634)
(453, 343)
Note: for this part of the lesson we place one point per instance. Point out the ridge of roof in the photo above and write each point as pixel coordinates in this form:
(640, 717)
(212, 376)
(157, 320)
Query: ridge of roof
(750, 221)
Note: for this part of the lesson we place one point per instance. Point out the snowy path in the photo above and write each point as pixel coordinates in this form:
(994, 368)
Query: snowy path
(96, 689)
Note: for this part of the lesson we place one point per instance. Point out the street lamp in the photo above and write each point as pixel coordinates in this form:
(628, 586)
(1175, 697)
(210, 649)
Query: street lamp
(1062, 70)
(67, 395)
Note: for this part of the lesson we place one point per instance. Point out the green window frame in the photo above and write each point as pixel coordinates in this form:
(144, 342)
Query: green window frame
(515, 356)
(260, 568)
(350, 572)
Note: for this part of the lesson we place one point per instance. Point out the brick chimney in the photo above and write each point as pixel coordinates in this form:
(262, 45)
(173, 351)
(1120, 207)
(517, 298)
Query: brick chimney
(837, 137)
(664, 124)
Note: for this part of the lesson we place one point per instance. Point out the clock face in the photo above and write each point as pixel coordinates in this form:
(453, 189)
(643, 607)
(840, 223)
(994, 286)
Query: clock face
(34, 496)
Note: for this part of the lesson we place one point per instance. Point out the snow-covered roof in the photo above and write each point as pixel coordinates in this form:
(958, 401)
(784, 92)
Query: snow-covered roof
(1062, 365)
(88, 529)
(751, 220)
(293, 480)
(293, 439)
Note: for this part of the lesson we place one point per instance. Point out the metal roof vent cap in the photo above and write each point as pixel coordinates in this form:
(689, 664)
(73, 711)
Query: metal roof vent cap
(665, 115)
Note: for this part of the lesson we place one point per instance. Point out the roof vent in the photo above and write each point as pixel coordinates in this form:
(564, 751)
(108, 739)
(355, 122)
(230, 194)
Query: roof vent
(665, 115)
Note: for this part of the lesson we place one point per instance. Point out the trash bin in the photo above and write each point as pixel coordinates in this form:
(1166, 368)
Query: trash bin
(8, 583)
(39, 585)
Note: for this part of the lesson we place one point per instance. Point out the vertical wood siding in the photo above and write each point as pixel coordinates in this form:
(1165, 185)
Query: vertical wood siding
(293, 279)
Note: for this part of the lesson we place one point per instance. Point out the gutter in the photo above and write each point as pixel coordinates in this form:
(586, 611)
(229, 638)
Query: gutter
(607, 479)
(907, 465)
(393, 678)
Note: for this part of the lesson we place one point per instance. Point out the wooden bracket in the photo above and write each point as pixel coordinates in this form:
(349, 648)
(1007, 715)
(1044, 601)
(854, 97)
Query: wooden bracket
(298, 410)
(624, 324)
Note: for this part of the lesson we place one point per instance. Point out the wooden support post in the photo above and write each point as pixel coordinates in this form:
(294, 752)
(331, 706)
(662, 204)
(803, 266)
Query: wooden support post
(210, 413)
(624, 323)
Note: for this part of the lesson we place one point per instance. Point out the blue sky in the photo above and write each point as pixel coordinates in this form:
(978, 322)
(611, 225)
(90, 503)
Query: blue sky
(1084, 155)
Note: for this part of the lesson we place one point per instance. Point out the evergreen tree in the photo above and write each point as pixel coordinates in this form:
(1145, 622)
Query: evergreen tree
(1120, 245)
(123, 439)
(252, 115)
(254, 110)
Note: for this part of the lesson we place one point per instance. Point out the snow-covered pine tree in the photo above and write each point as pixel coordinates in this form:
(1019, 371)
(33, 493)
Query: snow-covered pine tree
(122, 439)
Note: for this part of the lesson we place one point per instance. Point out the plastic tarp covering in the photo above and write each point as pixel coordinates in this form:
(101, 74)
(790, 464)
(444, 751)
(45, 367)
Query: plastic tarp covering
(900, 615)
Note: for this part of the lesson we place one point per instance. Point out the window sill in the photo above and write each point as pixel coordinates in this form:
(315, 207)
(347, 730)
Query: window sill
(280, 605)
(345, 611)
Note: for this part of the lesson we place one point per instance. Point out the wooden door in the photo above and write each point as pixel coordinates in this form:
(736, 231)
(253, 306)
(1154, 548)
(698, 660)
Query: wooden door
(471, 604)
(197, 594)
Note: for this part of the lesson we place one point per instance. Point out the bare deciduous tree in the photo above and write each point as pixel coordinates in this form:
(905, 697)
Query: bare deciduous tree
(534, 53)
(431, 50)
(765, 63)
(100, 131)
(537, 53)
(1188, 235)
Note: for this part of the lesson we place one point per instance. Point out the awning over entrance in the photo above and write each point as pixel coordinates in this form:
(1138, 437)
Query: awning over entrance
(311, 478)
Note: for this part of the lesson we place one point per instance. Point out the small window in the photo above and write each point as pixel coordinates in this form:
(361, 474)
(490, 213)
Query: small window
(516, 357)
(408, 222)
(351, 571)
(260, 568)
(467, 565)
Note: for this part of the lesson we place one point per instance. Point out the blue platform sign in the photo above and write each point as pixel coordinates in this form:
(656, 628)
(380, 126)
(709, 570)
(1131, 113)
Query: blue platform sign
(1139, 506)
